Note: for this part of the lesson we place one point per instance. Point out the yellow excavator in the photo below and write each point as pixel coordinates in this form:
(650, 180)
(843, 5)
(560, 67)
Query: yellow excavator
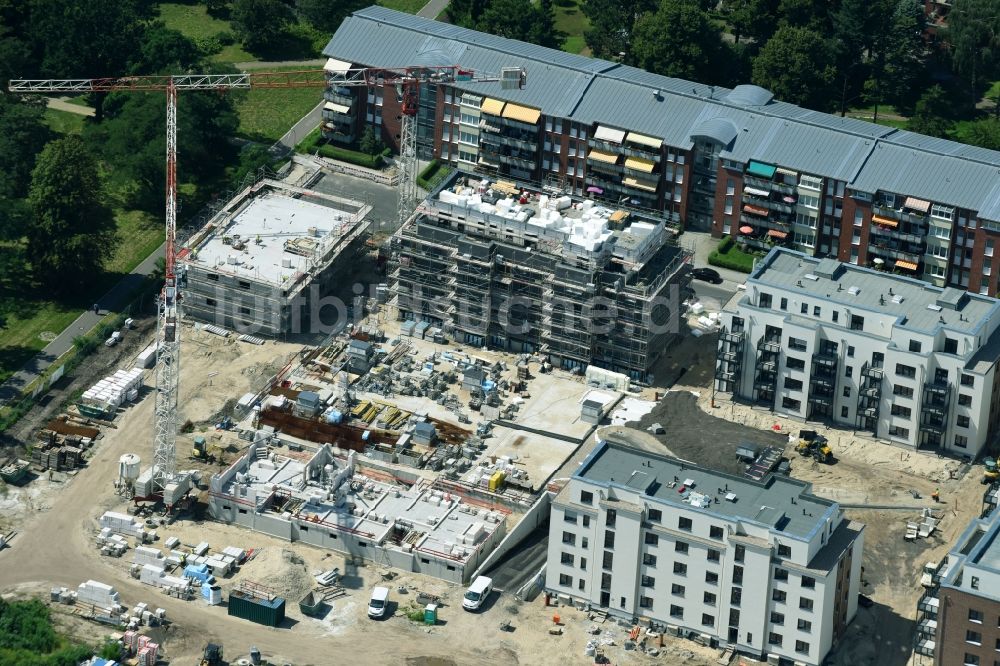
(813, 445)
(991, 473)
(206, 452)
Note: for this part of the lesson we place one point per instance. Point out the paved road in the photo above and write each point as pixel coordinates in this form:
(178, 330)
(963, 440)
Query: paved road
(433, 8)
(299, 130)
(61, 104)
(113, 301)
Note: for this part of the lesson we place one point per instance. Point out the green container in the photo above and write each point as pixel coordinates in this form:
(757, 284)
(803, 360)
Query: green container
(262, 611)
(431, 614)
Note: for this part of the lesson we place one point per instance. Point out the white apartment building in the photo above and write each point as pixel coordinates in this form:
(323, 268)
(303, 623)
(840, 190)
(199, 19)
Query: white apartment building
(864, 349)
(765, 567)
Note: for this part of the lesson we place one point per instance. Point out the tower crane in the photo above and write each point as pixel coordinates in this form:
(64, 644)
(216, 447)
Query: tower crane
(407, 81)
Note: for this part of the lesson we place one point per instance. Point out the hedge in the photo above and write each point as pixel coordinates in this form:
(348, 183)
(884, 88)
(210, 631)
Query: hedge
(727, 255)
(432, 175)
(351, 156)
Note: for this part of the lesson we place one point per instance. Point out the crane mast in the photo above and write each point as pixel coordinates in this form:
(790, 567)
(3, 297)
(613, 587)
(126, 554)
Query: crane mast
(407, 80)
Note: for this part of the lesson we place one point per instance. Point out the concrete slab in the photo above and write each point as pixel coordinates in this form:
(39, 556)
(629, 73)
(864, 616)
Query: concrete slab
(539, 456)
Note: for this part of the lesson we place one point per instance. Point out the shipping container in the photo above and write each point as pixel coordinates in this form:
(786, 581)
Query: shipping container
(269, 613)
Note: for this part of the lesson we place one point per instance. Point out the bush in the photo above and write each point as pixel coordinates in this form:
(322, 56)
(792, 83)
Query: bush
(85, 344)
(727, 255)
(351, 156)
(432, 175)
(225, 38)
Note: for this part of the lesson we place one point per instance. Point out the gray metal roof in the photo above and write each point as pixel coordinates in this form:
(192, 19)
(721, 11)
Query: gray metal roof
(869, 157)
(720, 129)
(787, 269)
(781, 503)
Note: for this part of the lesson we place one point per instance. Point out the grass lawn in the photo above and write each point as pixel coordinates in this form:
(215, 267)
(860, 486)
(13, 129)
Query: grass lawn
(993, 91)
(196, 24)
(408, 6)
(142, 233)
(571, 21)
(64, 122)
(266, 114)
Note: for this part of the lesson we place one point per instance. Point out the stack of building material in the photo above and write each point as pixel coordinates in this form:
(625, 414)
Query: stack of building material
(99, 594)
(121, 523)
(111, 543)
(103, 398)
(147, 357)
(146, 652)
(237, 554)
(144, 555)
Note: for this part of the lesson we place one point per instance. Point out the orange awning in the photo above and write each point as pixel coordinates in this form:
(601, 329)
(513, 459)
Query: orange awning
(885, 221)
(774, 233)
(908, 265)
(754, 210)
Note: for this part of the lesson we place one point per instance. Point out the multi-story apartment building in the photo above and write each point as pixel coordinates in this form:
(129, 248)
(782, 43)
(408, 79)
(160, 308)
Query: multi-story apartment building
(582, 284)
(824, 340)
(958, 621)
(764, 567)
(733, 161)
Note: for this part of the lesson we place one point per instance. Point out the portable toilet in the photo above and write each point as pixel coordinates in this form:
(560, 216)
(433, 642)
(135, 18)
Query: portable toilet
(431, 614)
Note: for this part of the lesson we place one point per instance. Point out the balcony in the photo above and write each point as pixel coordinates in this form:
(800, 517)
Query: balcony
(771, 186)
(914, 235)
(900, 214)
(607, 146)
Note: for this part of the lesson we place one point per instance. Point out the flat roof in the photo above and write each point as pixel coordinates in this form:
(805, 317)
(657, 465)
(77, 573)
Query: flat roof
(917, 305)
(274, 238)
(778, 502)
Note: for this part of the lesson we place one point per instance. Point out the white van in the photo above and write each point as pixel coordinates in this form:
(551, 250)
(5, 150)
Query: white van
(379, 602)
(477, 593)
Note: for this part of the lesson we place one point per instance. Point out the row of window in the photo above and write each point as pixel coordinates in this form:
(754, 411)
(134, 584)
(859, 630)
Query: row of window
(777, 639)
(802, 625)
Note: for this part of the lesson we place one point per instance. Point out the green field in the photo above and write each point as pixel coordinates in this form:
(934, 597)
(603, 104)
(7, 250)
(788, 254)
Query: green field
(408, 6)
(196, 24)
(64, 122)
(571, 21)
(266, 114)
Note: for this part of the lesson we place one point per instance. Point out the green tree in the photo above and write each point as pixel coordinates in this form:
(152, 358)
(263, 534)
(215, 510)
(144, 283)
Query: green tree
(798, 66)
(984, 133)
(812, 14)
(16, 58)
(163, 49)
(932, 115)
(370, 143)
(326, 15)
(612, 23)
(260, 24)
(88, 39)
(974, 37)
(23, 134)
(253, 157)
(72, 232)
(900, 57)
(110, 650)
(680, 40)
(756, 19)
(515, 19)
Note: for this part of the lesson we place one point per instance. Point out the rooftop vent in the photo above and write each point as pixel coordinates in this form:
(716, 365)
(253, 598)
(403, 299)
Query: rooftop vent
(897, 299)
(854, 291)
(935, 308)
(811, 276)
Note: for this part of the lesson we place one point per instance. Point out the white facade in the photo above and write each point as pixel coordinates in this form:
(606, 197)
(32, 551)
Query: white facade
(764, 567)
(825, 341)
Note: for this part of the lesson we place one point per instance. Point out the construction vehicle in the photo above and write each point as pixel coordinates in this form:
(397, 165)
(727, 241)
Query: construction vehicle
(813, 445)
(212, 655)
(206, 452)
(991, 473)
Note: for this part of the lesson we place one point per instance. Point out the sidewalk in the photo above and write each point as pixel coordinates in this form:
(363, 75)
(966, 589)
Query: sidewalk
(114, 300)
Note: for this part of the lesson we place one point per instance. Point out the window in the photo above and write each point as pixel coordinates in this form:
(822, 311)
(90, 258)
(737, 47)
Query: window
(213, 276)
(605, 583)
(898, 410)
(570, 538)
(906, 370)
(777, 618)
(806, 604)
(711, 578)
(791, 404)
(654, 515)
(857, 323)
(566, 558)
(645, 602)
(647, 581)
(850, 351)
(677, 590)
(610, 518)
(779, 595)
(764, 300)
(975, 583)
(962, 421)
(707, 620)
(902, 390)
(968, 380)
(950, 346)
(680, 568)
(970, 660)
(774, 639)
(780, 574)
(845, 412)
(783, 304)
(965, 400)
(793, 384)
(609, 539)
(608, 560)
(975, 616)
(784, 551)
(713, 555)
(915, 346)
(899, 431)
(684, 524)
(586, 497)
(586, 521)
(715, 532)
(210, 301)
(739, 554)
(736, 596)
(649, 560)
(801, 646)
(943, 212)
(793, 363)
(804, 309)
(676, 611)
(849, 371)
(961, 441)
(836, 315)
(569, 517)
(847, 391)
(583, 563)
(680, 547)
(709, 599)
(973, 637)
(805, 625)
(816, 311)
(652, 539)
(565, 580)
(809, 582)
(797, 344)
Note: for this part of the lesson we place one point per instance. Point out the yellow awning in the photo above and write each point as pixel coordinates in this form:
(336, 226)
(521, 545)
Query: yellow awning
(522, 113)
(885, 221)
(602, 156)
(494, 107)
(639, 164)
(643, 140)
(908, 265)
(640, 184)
(337, 108)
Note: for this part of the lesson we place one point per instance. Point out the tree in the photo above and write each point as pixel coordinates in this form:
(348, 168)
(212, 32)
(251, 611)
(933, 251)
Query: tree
(88, 39)
(164, 49)
(612, 23)
(71, 232)
(899, 63)
(679, 40)
(23, 134)
(253, 157)
(16, 59)
(812, 14)
(984, 133)
(797, 65)
(515, 19)
(370, 143)
(932, 115)
(756, 19)
(260, 24)
(326, 15)
(974, 36)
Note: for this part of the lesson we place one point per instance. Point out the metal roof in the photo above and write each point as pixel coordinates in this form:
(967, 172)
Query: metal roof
(950, 309)
(720, 129)
(869, 157)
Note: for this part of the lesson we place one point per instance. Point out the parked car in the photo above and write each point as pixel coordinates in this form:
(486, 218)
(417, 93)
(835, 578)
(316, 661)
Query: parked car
(378, 603)
(707, 275)
(477, 593)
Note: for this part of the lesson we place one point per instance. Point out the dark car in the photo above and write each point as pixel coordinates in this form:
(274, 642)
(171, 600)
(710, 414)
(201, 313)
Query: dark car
(707, 275)
(865, 602)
